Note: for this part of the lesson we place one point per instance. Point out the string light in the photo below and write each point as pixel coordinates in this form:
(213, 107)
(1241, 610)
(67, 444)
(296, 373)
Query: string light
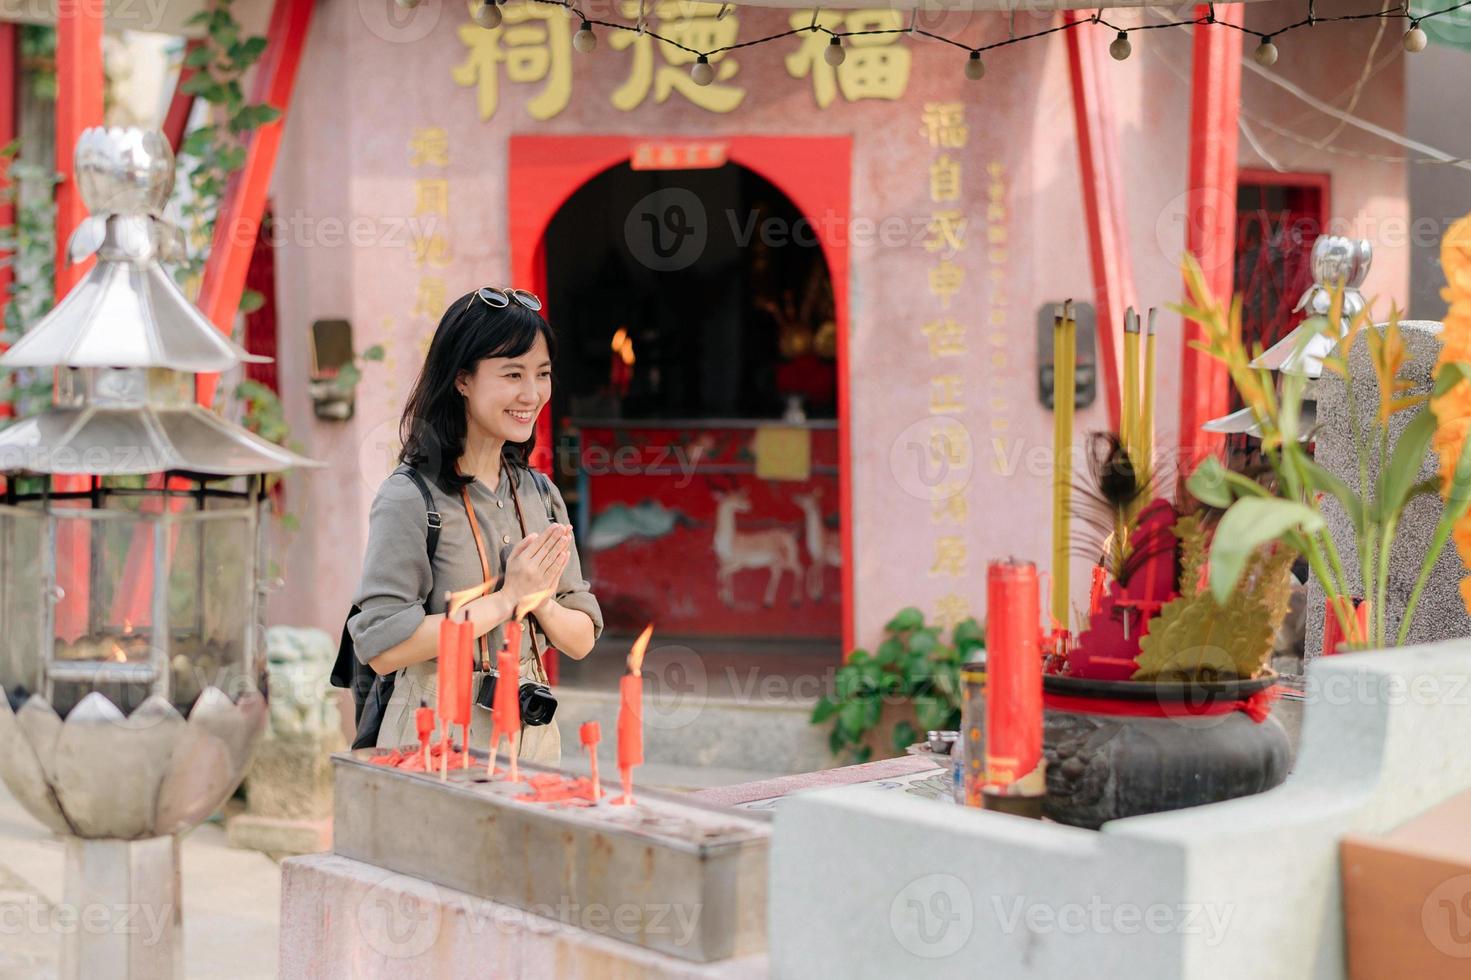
(487, 13)
(834, 54)
(584, 40)
(701, 71)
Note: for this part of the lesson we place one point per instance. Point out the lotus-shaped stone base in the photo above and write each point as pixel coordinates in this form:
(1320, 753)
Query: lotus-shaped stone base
(103, 774)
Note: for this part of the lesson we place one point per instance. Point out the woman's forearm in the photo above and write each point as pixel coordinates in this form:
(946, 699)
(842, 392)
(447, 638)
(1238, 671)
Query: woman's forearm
(422, 645)
(570, 631)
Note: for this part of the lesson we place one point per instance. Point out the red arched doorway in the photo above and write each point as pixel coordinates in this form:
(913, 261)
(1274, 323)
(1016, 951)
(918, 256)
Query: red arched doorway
(813, 172)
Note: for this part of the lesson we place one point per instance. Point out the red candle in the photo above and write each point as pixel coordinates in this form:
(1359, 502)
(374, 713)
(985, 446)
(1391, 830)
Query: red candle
(506, 708)
(590, 734)
(1095, 594)
(630, 721)
(456, 666)
(1014, 673)
(631, 714)
(513, 638)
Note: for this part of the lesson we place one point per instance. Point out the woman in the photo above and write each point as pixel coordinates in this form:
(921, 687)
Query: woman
(467, 428)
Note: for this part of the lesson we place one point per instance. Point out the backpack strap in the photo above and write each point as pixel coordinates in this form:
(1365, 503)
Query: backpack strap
(431, 514)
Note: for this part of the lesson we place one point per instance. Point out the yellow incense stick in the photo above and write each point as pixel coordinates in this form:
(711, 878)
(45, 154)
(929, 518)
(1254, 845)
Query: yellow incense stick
(1064, 387)
(1146, 420)
(1129, 414)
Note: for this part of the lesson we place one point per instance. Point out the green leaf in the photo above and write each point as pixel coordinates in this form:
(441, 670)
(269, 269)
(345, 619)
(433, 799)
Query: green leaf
(851, 718)
(375, 353)
(890, 651)
(1248, 524)
(246, 51)
(1325, 482)
(1450, 374)
(904, 736)
(908, 618)
(835, 740)
(862, 754)
(823, 710)
(968, 636)
(198, 57)
(197, 84)
(251, 300)
(922, 641)
(1404, 466)
(1208, 483)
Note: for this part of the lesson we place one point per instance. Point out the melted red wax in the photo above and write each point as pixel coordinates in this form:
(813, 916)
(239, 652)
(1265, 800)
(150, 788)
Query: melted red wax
(560, 790)
(412, 760)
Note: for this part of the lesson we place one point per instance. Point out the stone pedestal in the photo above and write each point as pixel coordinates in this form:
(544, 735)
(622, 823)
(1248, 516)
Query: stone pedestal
(122, 910)
(1440, 614)
(875, 884)
(345, 919)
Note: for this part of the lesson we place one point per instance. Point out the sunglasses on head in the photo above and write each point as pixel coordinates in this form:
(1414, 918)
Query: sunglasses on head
(499, 299)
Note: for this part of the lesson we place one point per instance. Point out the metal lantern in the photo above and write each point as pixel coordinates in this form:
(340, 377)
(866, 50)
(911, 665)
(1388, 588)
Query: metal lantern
(1336, 261)
(131, 548)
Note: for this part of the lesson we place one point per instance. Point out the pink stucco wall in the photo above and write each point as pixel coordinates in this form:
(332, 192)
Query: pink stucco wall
(366, 86)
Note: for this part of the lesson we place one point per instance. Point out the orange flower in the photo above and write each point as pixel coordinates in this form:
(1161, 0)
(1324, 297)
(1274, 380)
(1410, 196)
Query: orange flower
(1453, 409)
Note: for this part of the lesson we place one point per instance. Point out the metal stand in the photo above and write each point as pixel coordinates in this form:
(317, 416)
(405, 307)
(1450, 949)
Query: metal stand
(123, 898)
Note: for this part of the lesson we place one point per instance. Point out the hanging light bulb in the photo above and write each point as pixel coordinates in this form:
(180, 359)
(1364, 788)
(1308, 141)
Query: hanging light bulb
(1415, 38)
(834, 54)
(486, 13)
(585, 40)
(1120, 48)
(974, 67)
(1265, 53)
(408, 4)
(701, 72)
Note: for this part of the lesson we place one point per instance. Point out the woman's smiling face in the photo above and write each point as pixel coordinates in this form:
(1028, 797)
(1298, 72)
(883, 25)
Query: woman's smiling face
(504, 395)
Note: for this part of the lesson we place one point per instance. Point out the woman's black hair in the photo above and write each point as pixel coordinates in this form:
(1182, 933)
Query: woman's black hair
(433, 424)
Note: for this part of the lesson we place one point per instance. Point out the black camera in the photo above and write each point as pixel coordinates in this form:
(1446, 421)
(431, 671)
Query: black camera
(538, 704)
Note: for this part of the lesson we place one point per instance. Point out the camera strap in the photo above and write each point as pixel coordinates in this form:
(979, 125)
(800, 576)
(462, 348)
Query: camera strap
(484, 568)
(533, 626)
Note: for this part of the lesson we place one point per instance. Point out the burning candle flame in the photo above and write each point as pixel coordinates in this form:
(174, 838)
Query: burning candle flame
(623, 346)
(127, 627)
(119, 655)
(531, 602)
(457, 600)
(636, 655)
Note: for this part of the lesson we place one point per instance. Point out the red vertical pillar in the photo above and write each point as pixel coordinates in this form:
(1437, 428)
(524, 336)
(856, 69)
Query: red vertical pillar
(78, 106)
(1210, 226)
(1103, 200)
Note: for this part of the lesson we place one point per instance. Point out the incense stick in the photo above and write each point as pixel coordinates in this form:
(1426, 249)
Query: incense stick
(1064, 387)
(1146, 421)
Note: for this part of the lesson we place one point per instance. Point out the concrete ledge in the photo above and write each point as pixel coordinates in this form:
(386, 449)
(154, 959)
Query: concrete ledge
(875, 884)
(342, 918)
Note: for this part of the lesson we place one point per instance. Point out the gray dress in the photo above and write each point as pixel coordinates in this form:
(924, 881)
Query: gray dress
(398, 581)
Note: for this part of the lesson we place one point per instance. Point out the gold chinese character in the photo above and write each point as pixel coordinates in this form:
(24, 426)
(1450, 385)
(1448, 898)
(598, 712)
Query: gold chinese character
(997, 255)
(431, 196)
(946, 279)
(996, 192)
(429, 297)
(944, 179)
(429, 146)
(695, 26)
(950, 445)
(999, 359)
(996, 212)
(951, 609)
(431, 249)
(876, 66)
(534, 44)
(945, 232)
(1000, 424)
(996, 234)
(949, 509)
(944, 124)
(997, 316)
(949, 556)
(996, 170)
(945, 394)
(947, 337)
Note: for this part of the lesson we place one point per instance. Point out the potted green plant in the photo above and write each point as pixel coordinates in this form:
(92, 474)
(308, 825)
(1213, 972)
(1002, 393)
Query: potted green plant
(886, 700)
